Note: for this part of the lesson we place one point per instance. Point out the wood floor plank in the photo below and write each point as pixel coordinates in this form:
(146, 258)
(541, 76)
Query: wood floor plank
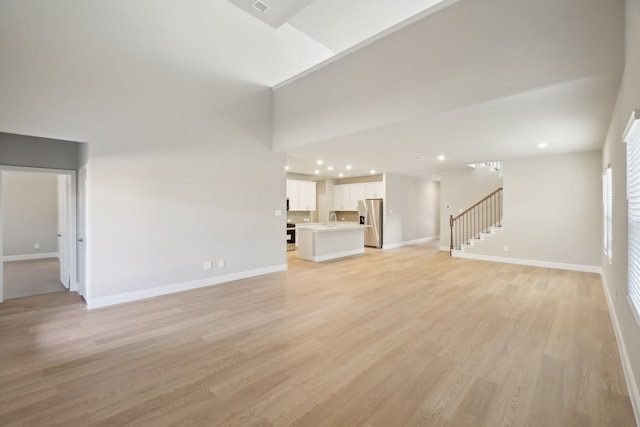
(547, 404)
(401, 337)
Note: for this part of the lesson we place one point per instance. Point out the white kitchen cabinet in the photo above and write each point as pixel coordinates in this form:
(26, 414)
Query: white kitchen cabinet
(290, 188)
(346, 196)
(301, 195)
(356, 194)
(307, 195)
(341, 197)
(374, 190)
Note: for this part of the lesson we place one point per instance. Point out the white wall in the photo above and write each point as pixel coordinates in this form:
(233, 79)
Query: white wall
(29, 213)
(186, 193)
(411, 209)
(615, 274)
(461, 189)
(552, 210)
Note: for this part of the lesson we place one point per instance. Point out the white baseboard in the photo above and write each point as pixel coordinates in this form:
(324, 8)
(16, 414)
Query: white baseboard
(445, 248)
(632, 385)
(530, 262)
(28, 257)
(409, 242)
(179, 287)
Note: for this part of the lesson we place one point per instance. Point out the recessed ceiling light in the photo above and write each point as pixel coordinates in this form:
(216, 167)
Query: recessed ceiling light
(441, 157)
(348, 167)
(330, 168)
(286, 167)
(372, 171)
(542, 145)
(319, 162)
(341, 175)
(316, 171)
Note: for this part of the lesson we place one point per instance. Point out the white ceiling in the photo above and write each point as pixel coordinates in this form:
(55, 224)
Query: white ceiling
(337, 24)
(273, 13)
(474, 79)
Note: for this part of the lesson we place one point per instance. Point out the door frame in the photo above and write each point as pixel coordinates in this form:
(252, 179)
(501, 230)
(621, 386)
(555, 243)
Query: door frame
(71, 220)
(83, 289)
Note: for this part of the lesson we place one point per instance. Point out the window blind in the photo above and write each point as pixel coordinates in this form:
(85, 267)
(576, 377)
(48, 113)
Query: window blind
(632, 139)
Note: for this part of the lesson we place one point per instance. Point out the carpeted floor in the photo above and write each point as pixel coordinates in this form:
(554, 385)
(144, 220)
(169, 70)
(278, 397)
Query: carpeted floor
(33, 277)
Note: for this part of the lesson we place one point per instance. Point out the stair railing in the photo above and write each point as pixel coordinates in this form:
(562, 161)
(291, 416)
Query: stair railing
(478, 219)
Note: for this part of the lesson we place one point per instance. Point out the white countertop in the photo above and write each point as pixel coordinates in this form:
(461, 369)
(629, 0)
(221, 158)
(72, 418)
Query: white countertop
(340, 226)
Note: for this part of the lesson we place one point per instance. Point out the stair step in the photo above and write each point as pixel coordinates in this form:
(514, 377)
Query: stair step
(483, 236)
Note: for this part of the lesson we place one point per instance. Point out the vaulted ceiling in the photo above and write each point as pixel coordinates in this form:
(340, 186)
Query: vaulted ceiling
(374, 84)
(476, 81)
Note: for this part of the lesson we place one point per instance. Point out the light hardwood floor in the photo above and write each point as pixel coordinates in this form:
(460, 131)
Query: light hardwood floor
(32, 277)
(400, 337)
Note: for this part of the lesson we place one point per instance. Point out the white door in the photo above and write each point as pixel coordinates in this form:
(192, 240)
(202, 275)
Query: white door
(82, 221)
(63, 230)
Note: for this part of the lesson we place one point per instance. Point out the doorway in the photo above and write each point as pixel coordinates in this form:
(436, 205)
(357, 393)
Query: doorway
(38, 233)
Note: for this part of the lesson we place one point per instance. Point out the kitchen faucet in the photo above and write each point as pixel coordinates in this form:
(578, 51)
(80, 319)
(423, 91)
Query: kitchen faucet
(335, 218)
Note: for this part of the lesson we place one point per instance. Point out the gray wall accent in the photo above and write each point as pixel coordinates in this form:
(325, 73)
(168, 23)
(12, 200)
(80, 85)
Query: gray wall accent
(614, 153)
(411, 209)
(552, 210)
(31, 151)
(461, 189)
(187, 192)
(29, 212)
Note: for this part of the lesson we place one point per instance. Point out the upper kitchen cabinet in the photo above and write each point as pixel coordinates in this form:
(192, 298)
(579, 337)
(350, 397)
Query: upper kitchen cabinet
(346, 196)
(357, 194)
(301, 195)
(374, 190)
(341, 197)
(307, 195)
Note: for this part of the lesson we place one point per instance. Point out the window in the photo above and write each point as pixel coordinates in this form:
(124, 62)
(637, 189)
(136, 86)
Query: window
(607, 202)
(632, 139)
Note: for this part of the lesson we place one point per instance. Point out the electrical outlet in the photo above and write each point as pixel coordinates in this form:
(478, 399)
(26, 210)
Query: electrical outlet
(208, 265)
(506, 248)
(221, 263)
(36, 245)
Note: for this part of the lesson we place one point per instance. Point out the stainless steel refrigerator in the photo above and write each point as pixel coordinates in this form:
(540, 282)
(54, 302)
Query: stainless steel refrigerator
(373, 217)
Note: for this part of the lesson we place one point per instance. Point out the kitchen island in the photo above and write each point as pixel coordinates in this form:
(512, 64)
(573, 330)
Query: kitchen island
(324, 242)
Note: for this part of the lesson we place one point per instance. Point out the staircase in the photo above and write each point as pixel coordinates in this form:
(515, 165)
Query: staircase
(475, 223)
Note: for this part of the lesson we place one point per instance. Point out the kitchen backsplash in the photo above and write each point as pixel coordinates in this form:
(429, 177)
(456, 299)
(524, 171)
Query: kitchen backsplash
(296, 217)
(349, 216)
(300, 217)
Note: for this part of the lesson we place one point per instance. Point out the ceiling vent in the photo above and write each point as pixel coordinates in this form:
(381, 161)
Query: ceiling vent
(260, 7)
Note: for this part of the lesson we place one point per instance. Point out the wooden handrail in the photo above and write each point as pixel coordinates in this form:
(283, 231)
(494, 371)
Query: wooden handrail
(476, 220)
(477, 204)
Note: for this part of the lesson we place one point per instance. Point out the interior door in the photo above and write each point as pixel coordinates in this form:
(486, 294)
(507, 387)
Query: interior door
(63, 230)
(82, 221)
